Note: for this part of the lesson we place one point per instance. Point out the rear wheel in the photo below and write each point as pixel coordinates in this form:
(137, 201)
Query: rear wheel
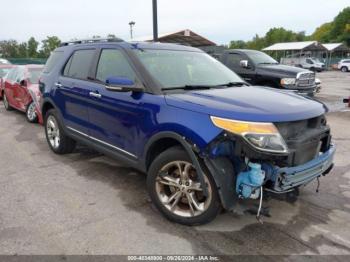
(344, 69)
(31, 113)
(175, 189)
(6, 102)
(58, 141)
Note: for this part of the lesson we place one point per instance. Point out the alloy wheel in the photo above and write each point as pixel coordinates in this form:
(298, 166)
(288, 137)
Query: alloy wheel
(179, 189)
(31, 114)
(53, 132)
(6, 102)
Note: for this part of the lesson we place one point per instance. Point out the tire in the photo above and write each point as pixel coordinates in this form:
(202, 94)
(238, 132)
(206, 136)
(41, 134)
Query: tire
(31, 113)
(6, 102)
(58, 141)
(313, 69)
(344, 69)
(204, 209)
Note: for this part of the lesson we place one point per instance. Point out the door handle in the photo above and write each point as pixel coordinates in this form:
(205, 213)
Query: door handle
(96, 95)
(58, 85)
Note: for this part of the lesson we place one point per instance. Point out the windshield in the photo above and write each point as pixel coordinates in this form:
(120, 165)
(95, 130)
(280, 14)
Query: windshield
(34, 74)
(181, 68)
(261, 58)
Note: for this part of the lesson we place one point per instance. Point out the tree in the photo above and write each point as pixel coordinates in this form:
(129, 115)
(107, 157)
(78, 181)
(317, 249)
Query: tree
(338, 31)
(22, 50)
(321, 33)
(48, 45)
(239, 44)
(32, 47)
(9, 48)
(257, 43)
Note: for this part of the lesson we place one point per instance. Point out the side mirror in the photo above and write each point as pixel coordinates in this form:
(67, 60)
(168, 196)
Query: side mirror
(23, 83)
(244, 64)
(122, 84)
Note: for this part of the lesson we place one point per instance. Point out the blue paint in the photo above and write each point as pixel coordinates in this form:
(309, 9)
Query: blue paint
(119, 81)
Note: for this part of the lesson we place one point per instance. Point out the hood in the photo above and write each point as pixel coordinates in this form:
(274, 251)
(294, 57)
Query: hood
(280, 69)
(248, 103)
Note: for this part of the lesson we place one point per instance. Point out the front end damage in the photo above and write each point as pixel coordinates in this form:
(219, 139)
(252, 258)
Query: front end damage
(243, 171)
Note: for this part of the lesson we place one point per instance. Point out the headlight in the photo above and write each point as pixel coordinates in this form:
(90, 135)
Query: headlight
(263, 136)
(287, 81)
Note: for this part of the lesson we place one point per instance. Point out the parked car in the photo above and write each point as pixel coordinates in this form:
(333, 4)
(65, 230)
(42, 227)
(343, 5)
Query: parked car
(310, 63)
(4, 69)
(318, 83)
(259, 68)
(21, 91)
(4, 62)
(204, 137)
(344, 65)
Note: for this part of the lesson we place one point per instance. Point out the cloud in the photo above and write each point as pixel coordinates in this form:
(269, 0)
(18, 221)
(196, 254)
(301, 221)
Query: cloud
(220, 20)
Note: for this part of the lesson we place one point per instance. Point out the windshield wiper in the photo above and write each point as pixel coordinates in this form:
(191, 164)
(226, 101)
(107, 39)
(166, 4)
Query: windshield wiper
(267, 63)
(188, 87)
(231, 84)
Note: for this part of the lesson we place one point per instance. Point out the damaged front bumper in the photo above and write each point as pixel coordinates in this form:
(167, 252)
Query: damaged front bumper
(287, 178)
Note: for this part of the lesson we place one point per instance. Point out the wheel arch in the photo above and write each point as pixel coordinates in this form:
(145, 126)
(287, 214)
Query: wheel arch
(161, 142)
(47, 105)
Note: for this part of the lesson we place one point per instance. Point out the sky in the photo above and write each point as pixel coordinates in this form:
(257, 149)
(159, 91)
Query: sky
(220, 21)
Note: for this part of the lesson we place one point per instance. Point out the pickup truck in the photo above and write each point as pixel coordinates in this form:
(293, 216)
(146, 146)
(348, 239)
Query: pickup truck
(258, 68)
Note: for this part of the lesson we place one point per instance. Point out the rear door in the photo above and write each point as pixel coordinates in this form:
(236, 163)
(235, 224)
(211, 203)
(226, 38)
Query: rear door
(73, 90)
(21, 90)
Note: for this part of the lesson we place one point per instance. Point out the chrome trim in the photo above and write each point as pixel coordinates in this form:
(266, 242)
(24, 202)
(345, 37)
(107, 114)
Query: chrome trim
(96, 95)
(102, 142)
(58, 85)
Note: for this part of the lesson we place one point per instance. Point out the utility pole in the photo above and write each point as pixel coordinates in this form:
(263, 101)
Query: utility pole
(155, 21)
(131, 24)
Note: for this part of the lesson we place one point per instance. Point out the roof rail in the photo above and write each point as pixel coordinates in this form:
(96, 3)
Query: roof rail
(92, 40)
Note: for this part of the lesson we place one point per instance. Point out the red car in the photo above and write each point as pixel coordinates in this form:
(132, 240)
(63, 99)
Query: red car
(4, 69)
(21, 91)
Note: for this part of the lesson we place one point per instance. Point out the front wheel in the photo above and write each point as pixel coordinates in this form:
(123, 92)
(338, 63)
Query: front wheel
(344, 69)
(58, 141)
(174, 187)
(31, 115)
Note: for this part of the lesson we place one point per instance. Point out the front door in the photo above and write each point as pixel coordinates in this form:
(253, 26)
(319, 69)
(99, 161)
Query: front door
(114, 116)
(233, 61)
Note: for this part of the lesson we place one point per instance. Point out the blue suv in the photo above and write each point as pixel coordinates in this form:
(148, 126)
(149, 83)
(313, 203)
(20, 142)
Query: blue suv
(205, 138)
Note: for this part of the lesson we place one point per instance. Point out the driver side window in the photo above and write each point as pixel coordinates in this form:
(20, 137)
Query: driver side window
(113, 63)
(233, 60)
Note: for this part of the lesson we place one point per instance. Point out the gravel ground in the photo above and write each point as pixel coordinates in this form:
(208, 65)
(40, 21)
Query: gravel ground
(86, 203)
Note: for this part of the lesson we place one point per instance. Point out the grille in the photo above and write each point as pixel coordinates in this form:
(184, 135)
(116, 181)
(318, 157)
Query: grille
(305, 138)
(305, 79)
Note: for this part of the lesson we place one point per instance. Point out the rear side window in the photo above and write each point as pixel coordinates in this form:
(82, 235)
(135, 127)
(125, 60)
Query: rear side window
(52, 61)
(79, 64)
(113, 63)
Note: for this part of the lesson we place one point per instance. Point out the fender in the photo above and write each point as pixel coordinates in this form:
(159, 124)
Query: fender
(190, 148)
(49, 100)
